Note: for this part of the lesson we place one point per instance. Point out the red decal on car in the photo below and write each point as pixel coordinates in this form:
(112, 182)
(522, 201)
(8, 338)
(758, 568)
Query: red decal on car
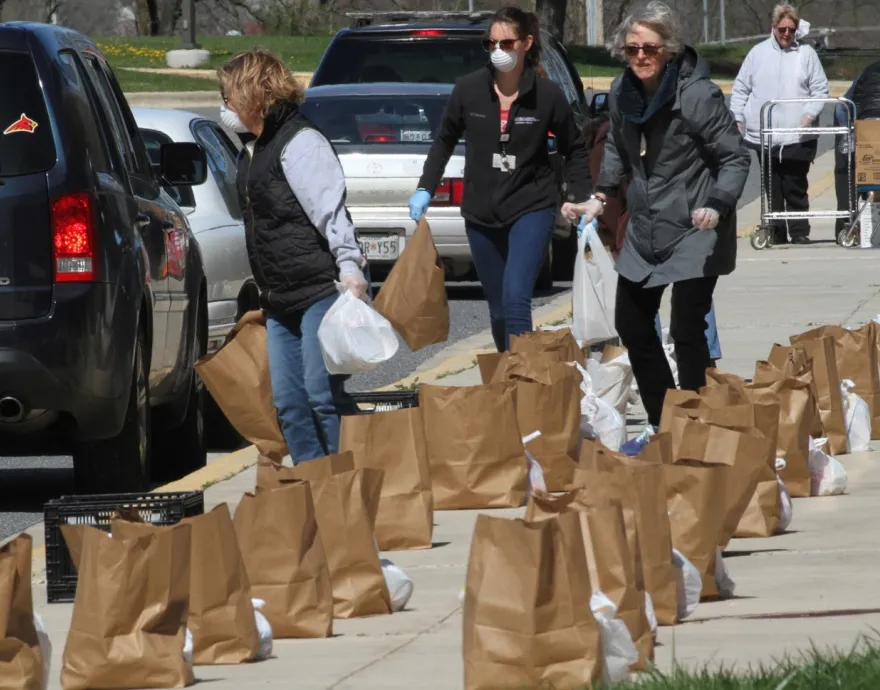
(22, 124)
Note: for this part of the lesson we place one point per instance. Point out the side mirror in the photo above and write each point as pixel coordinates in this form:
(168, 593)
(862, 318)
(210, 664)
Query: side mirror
(183, 164)
(599, 104)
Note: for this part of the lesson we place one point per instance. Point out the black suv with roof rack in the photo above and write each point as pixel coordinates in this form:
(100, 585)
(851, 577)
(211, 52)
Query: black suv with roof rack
(103, 304)
(437, 48)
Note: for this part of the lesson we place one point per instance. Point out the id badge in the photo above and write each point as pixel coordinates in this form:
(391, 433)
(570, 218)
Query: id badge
(505, 163)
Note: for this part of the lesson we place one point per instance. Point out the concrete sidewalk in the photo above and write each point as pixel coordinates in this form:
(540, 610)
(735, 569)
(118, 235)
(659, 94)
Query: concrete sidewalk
(814, 584)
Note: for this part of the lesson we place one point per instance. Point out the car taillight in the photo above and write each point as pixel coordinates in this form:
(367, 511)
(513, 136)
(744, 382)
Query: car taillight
(73, 238)
(379, 139)
(457, 191)
(449, 192)
(427, 33)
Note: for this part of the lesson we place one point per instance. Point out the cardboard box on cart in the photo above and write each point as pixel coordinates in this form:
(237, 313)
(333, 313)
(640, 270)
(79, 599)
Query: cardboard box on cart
(868, 153)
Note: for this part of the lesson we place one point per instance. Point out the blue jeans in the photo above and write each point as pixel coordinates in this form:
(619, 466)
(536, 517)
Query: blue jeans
(508, 261)
(309, 401)
(711, 333)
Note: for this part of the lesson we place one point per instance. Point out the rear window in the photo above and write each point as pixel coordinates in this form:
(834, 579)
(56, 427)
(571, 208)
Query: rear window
(377, 119)
(26, 144)
(356, 59)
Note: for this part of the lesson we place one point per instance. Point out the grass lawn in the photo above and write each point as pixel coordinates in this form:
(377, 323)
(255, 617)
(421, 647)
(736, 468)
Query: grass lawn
(137, 82)
(858, 669)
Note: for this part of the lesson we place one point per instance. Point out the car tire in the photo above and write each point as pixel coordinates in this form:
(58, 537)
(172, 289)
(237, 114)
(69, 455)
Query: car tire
(121, 464)
(545, 277)
(564, 255)
(182, 448)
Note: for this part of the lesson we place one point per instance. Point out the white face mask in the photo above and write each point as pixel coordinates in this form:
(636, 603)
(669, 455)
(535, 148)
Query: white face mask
(503, 61)
(230, 119)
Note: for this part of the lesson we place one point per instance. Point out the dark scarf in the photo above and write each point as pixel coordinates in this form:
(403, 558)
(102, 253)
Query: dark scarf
(633, 102)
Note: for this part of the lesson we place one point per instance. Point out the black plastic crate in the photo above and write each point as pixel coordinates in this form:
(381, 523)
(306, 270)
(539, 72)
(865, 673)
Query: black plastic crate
(602, 344)
(157, 509)
(385, 401)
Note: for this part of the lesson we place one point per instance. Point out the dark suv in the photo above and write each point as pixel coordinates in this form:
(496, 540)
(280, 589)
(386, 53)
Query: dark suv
(437, 48)
(102, 292)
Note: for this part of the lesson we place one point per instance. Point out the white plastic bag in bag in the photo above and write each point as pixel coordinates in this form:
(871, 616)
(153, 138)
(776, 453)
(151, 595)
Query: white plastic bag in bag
(669, 349)
(650, 614)
(400, 587)
(690, 584)
(264, 631)
(594, 289)
(725, 584)
(858, 419)
(45, 649)
(188, 648)
(618, 650)
(598, 419)
(536, 472)
(354, 337)
(612, 380)
(785, 508)
(827, 476)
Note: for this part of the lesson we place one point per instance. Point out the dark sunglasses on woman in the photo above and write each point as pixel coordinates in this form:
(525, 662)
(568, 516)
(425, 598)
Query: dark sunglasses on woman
(505, 44)
(649, 50)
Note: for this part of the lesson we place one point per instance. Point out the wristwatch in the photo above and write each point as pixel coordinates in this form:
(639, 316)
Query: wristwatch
(600, 200)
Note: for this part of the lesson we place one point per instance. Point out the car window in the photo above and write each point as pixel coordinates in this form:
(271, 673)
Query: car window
(117, 125)
(378, 120)
(558, 72)
(153, 140)
(221, 161)
(84, 111)
(26, 145)
(359, 58)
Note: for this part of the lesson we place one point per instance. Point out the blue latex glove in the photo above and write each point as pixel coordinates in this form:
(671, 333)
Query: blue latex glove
(418, 204)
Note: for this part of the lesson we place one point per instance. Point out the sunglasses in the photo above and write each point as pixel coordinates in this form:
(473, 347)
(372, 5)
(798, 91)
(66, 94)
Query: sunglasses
(785, 30)
(490, 44)
(649, 50)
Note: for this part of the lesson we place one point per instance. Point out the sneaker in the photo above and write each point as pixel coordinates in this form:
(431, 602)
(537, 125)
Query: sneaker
(635, 446)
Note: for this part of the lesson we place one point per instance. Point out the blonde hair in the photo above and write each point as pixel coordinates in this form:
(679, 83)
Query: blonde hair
(656, 16)
(781, 12)
(254, 81)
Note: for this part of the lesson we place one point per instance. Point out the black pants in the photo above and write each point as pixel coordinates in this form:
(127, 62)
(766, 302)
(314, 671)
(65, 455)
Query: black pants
(636, 309)
(788, 187)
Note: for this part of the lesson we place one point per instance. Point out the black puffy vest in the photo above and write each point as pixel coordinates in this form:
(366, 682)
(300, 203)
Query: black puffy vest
(290, 259)
(866, 95)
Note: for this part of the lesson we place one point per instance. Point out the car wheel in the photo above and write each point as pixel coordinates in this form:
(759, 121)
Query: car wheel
(120, 464)
(564, 255)
(183, 448)
(545, 277)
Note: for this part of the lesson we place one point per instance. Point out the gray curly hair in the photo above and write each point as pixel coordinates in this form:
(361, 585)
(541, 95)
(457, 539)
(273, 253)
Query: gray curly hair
(656, 16)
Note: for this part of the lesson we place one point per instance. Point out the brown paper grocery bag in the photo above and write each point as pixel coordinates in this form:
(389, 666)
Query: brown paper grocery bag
(346, 507)
(826, 382)
(413, 296)
(20, 655)
(641, 489)
(489, 363)
(795, 421)
(394, 443)
(856, 358)
(560, 341)
(529, 626)
(285, 560)
(130, 612)
(542, 367)
(608, 559)
(474, 446)
(221, 614)
(237, 376)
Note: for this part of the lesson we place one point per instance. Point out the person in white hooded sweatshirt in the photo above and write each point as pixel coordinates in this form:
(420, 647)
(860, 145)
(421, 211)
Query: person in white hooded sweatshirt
(783, 67)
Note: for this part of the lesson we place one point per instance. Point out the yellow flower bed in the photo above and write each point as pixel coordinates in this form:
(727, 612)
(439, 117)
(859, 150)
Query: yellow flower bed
(124, 50)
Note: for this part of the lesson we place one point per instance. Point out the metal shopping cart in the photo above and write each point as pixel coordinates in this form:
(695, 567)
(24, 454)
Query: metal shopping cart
(762, 237)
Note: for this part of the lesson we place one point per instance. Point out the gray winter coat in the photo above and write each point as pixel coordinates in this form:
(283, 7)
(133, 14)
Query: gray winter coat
(684, 152)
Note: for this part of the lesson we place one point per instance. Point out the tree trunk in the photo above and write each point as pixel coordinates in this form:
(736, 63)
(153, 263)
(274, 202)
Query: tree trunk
(169, 11)
(552, 15)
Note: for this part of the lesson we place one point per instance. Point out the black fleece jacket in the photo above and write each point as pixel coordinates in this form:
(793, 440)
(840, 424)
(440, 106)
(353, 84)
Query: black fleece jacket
(493, 197)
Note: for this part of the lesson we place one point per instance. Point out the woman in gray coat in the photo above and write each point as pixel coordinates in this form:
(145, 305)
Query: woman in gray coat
(672, 132)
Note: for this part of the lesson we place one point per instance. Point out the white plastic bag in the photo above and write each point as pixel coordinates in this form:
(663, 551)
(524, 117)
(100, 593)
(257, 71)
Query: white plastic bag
(785, 508)
(690, 584)
(827, 476)
(725, 584)
(669, 349)
(536, 472)
(354, 337)
(400, 587)
(188, 648)
(45, 649)
(618, 650)
(651, 614)
(264, 631)
(612, 380)
(858, 419)
(598, 419)
(594, 289)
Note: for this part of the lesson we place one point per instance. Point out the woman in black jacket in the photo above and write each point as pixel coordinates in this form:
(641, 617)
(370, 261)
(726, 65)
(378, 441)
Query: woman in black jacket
(506, 111)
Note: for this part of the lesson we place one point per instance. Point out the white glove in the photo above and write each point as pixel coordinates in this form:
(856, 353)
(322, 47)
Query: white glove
(589, 210)
(741, 126)
(806, 121)
(705, 218)
(354, 282)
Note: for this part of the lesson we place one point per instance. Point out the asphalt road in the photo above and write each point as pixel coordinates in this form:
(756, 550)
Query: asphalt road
(27, 483)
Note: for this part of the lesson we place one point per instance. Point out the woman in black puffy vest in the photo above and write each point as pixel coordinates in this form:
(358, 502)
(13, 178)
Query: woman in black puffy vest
(300, 243)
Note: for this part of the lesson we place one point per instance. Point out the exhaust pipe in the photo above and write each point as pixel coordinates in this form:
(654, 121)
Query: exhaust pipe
(11, 409)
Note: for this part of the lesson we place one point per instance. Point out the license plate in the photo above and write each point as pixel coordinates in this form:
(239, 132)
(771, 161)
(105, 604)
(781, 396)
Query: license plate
(381, 247)
(421, 135)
